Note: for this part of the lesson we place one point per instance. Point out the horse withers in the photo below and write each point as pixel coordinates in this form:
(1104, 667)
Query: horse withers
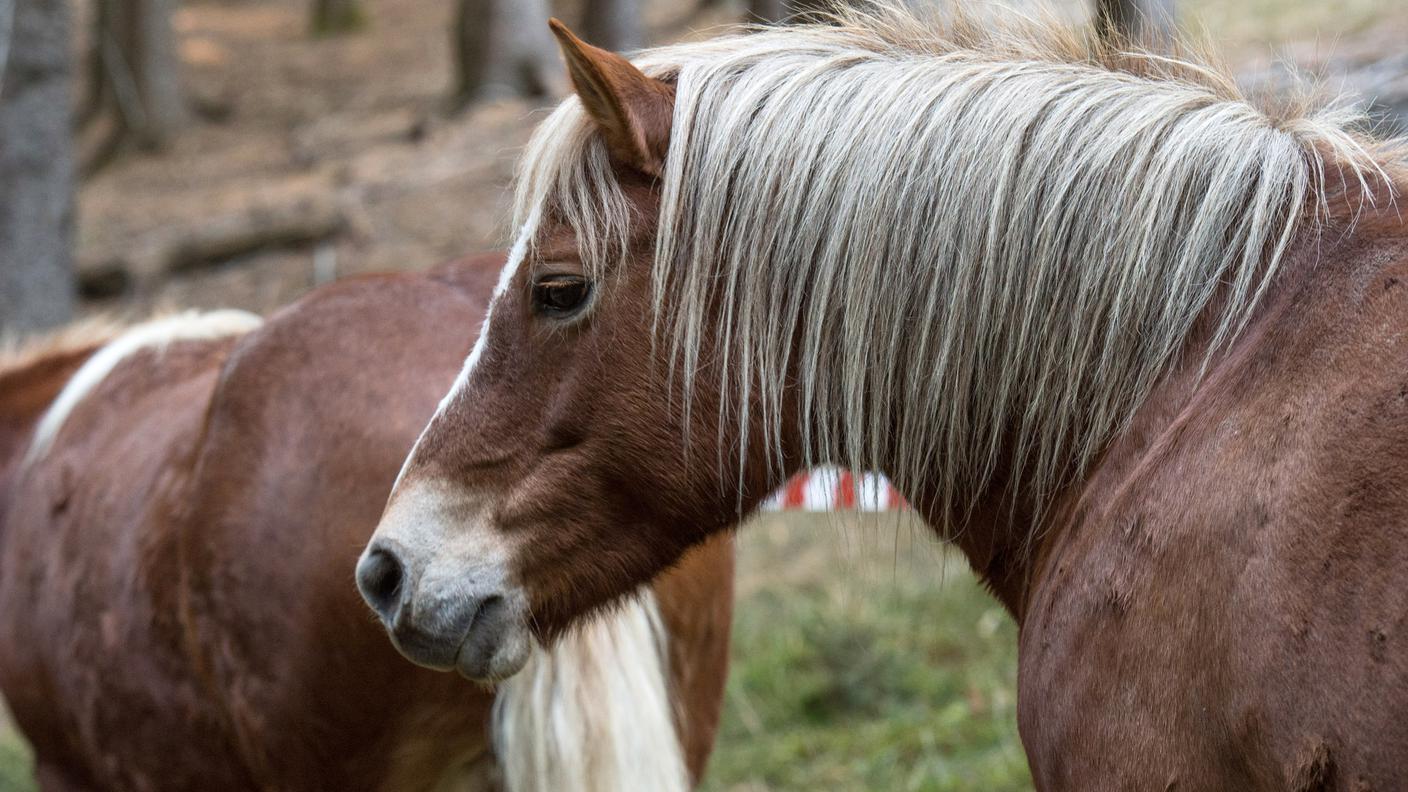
(1133, 342)
(181, 508)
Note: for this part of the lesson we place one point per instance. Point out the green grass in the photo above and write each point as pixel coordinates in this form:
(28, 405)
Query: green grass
(865, 658)
(16, 764)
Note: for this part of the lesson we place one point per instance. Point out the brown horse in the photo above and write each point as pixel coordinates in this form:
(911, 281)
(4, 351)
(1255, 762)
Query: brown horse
(1135, 344)
(181, 508)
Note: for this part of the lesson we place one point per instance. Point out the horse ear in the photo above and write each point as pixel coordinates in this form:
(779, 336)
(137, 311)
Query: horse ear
(632, 109)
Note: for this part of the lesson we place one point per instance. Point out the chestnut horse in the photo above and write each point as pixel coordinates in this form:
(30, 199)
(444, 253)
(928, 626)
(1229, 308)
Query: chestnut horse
(181, 508)
(1134, 343)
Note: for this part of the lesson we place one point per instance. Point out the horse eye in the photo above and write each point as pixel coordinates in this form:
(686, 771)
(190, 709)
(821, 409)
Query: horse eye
(560, 296)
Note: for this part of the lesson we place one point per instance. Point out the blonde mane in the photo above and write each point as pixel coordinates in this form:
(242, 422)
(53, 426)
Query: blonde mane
(970, 239)
(21, 352)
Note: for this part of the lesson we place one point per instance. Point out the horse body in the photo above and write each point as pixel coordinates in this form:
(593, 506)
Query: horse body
(176, 584)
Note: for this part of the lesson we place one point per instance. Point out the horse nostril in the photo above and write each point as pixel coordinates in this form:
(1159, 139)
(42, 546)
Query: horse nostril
(380, 576)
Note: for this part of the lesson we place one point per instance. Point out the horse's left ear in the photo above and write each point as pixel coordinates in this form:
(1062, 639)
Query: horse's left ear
(632, 109)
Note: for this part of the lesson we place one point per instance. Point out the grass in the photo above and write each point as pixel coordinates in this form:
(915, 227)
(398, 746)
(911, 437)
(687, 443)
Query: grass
(16, 763)
(865, 658)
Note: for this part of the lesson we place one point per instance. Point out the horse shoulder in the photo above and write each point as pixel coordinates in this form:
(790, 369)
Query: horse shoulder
(1233, 581)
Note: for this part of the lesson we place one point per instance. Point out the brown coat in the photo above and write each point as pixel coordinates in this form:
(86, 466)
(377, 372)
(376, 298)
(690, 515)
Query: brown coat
(176, 574)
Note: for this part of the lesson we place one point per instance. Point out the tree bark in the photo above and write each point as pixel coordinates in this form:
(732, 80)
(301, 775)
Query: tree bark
(613, 24)
(1136, 21)
(503, 47)
(134, 75)
(337, 16)
(7, 22)
(789, 10)
(36, 171)
(767, 10)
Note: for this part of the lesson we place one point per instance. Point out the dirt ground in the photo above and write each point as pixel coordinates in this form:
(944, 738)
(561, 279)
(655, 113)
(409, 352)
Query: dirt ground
(347, 138)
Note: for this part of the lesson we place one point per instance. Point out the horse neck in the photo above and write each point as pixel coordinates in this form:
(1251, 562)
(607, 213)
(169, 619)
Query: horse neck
(1008, 545)
(996, 540)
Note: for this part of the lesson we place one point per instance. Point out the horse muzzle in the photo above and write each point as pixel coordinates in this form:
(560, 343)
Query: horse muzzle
(445, 599)
(481, 632)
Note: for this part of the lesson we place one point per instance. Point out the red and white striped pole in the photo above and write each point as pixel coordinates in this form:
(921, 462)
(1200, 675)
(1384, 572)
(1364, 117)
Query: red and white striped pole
(836, 489)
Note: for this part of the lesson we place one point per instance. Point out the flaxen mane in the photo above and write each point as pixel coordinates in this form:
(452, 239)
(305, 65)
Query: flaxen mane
(17, 353)
(986, 238)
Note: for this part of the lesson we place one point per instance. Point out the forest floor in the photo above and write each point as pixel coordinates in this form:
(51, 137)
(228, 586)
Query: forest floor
(856, 666)
(344, 140)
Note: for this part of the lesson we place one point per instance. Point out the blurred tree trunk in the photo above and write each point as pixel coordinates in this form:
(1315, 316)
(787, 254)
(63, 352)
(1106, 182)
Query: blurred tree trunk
(134, 77)
(785, 10)
(1150, 21)
(766, 10)
(613, 24)
(503, 47)
(7, 21)
(337, 16)
(36, 170)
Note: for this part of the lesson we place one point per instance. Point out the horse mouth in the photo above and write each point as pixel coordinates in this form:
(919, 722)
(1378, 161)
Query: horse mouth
(438, 652)
(497, 643)
(486, 641)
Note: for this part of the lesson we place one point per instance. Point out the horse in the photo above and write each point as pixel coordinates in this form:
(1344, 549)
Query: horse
(182, 504)
(1132, 341)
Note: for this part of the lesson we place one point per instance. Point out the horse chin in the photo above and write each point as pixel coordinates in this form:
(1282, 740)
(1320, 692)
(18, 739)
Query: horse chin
(490, 660)
(496, 647)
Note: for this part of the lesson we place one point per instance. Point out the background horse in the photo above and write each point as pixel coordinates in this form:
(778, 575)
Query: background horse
(1135, 344)
(181, 507)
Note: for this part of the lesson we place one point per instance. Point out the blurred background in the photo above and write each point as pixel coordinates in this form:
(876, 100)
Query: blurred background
(200, 153)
